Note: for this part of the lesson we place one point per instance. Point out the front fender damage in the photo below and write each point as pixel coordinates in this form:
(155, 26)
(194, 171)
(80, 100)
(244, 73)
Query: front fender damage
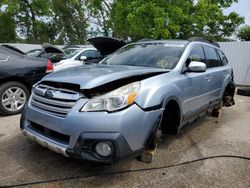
(228, 97)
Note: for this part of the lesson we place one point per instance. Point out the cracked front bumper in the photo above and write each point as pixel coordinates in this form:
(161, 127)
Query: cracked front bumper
(128, 131)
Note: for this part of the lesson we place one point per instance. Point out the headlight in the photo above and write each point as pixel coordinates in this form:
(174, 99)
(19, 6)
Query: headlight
(113, 100)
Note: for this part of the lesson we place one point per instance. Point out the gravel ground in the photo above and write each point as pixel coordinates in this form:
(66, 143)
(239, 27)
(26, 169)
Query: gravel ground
(23, 162)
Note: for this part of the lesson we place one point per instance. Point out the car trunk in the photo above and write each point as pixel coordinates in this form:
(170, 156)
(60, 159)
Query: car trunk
(106, 45)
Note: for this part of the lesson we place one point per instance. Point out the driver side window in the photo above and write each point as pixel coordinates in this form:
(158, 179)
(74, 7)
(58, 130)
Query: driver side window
(196, 54)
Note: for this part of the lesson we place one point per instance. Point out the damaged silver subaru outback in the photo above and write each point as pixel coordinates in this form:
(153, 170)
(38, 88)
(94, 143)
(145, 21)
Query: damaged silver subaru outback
(110, 111)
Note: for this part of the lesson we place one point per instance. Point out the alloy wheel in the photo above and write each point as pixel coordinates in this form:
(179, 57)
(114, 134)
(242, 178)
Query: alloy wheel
(13, 99)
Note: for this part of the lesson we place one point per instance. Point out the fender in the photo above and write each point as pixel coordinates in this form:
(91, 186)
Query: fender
(228, 81)
(157, 93)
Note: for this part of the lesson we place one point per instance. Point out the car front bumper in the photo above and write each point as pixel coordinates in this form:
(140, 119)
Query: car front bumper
(128, 131)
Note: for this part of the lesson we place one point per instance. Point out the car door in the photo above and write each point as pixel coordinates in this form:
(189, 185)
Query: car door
(196, 85)
(215, 70)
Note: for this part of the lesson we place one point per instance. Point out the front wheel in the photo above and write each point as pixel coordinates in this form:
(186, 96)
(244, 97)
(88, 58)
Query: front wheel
(13, 97)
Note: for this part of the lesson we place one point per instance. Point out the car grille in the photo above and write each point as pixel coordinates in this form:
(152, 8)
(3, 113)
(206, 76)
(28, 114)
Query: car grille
(58, 105)
(61, 138)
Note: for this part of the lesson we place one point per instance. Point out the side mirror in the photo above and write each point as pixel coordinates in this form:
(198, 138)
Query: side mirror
(196, 66)
(83, 58)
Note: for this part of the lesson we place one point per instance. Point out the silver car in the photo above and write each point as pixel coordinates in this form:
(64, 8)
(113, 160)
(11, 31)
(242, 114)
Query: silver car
(110, 111)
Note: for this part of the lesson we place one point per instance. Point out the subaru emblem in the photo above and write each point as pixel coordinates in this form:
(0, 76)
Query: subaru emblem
(49, 94)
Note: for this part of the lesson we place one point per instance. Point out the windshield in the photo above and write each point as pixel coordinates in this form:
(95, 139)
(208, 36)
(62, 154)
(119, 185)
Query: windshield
(157, 55)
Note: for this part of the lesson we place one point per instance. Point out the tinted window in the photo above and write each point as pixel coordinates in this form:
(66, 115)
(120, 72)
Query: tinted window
(158, 55)
(223, 57)
(90, 54)
(71, 50)
(97, 54)
(3, 57)
(212, 57)
(71, 53)
(34, 53)
(196, 54)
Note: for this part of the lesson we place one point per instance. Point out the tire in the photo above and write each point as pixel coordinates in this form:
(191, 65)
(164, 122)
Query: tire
(243, 91)
(13, 97)
(216, 111)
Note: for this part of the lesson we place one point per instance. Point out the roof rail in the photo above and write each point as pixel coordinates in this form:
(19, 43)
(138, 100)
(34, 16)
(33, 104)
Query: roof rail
(144, 40)
(200, 39)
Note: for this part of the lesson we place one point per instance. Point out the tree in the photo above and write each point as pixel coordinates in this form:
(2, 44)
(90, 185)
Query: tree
(32, 18)
(67, 21)
(70, 21)
(7, 28)
(139, 19)
(136, 19)
(55, 21)
(210, 22)
(244, 33)
(100, 11)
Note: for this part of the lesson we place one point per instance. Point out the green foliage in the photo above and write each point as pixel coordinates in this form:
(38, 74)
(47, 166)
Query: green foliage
(7, 28)
(244, 33)
(31, 18)
(100, 10)
(70, 21)
(139, 19)
(66, 21)
(55, 21)
(136, 19)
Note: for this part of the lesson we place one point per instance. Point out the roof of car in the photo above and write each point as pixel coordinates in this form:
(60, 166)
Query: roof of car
(9, 51)
(12, 49)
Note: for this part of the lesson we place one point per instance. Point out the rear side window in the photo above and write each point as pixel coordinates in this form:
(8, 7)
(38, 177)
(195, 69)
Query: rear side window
(212, 57)
(196, 54)
(223, 57)
(3, 57)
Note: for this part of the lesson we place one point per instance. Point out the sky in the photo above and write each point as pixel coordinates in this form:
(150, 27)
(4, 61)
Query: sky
(242, 8)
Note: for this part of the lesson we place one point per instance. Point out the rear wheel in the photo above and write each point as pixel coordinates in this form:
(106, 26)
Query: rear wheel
(13, 97)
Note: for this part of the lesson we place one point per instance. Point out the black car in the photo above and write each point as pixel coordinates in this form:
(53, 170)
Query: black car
(18, 73)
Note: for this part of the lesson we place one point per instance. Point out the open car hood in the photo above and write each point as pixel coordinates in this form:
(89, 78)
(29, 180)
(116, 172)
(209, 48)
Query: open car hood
(106, 45)
(49, 48)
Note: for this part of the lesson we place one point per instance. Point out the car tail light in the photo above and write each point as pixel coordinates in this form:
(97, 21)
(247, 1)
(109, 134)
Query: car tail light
(49, 67)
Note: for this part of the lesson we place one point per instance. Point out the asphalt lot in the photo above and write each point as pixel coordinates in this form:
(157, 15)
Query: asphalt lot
(23, 162)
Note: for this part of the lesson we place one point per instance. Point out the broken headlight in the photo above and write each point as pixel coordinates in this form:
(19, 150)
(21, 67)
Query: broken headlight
(114, 100)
